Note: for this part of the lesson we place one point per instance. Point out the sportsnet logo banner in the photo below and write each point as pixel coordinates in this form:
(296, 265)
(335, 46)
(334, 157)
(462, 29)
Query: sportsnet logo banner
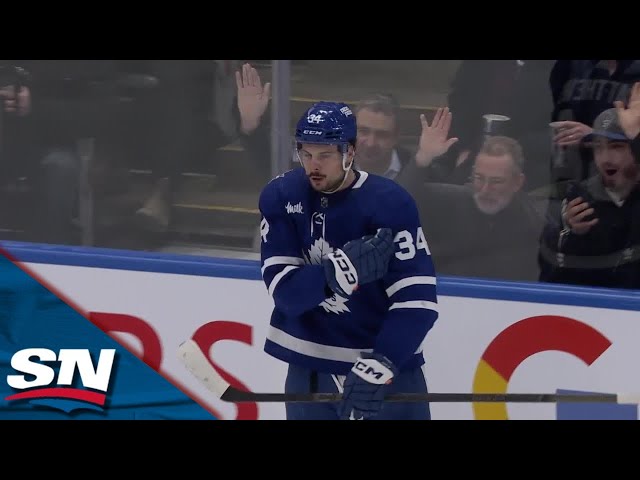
(56, 364)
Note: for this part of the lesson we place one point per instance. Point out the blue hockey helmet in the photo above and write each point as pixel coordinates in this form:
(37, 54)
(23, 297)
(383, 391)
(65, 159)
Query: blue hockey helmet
(328, 123)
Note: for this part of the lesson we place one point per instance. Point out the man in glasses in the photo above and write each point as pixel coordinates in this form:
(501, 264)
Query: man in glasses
(497, 174)
(488, 228)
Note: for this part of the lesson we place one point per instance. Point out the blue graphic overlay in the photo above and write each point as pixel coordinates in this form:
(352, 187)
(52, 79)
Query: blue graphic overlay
(55, 364)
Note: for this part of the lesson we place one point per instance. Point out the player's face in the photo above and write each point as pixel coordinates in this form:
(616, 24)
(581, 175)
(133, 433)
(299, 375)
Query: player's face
(495, 181)
(323, 165)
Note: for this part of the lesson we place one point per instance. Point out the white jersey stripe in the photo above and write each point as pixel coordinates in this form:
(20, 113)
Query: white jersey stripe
(271, 261)
(407, 282)
(361, 180)
(415, 304)
(312, 349)
(278, 277)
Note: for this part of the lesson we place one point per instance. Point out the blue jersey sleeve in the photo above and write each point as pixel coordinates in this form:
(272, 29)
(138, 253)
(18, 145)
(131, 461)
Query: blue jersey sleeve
(410, 283)
(295, 287)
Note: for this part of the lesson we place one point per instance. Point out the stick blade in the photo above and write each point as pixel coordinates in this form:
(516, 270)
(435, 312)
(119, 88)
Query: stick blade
(628, 398)
(194, 359)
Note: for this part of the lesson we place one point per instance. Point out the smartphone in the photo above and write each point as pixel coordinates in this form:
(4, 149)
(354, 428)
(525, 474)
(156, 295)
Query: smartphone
(574, 190)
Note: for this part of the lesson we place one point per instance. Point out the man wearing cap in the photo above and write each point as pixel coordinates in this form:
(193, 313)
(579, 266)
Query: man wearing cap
(594, 237)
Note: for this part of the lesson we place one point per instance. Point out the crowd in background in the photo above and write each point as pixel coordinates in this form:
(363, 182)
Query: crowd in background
(527, 171)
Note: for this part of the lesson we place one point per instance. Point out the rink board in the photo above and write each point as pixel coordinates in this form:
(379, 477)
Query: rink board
(490, 336)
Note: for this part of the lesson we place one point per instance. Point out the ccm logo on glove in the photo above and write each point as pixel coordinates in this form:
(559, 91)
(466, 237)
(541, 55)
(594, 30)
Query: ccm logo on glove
(346, 273)
(372, 371)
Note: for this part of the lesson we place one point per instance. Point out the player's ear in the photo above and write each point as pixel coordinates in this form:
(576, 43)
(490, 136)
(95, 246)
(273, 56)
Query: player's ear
(351, 153)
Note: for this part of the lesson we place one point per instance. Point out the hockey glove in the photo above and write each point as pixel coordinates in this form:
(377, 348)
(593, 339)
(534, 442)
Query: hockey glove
(359, 261)
(365, 387)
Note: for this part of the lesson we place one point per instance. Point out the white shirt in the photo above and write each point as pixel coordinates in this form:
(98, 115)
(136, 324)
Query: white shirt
(394, 166)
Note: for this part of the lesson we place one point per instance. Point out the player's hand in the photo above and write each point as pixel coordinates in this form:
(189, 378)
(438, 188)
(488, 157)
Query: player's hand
(359, 261)
(365, 387)
(253, 98)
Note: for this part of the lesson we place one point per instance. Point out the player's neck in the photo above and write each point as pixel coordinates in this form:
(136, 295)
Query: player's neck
(351, 177)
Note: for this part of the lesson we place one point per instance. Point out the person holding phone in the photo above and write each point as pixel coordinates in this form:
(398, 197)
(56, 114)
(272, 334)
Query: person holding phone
(594, 238)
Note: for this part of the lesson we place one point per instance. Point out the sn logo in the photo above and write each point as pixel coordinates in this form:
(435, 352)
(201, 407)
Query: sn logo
(35, 375)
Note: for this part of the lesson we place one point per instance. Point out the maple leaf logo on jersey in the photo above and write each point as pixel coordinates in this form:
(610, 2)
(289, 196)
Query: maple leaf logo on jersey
(335, 304)
(319, 250)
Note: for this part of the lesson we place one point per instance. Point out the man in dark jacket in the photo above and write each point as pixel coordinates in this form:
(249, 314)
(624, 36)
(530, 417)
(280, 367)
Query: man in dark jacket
(41, 140)
(74, 105)
(490, 228)
(581, 90)
(594, 239)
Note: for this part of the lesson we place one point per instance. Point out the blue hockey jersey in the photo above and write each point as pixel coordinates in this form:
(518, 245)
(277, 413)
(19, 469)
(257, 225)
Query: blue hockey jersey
(312, 327)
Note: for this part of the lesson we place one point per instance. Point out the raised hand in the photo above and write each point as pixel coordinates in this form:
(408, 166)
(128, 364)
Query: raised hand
(434, 139)
(629, 117)
(253, 98)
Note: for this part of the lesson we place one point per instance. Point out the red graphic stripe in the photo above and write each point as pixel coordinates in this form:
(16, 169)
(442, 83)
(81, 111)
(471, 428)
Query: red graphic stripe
(540, 334)
(72, 393)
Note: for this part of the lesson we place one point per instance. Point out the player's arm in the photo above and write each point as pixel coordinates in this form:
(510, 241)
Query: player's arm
(294, 286)
(410, 285)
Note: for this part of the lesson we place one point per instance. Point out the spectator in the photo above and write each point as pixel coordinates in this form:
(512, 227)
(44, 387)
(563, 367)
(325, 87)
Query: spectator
(516, 89)
(489, 229)
(581, 90)
(175, 121)
(377, 150)
(44, 147)
(593, 238)
(14, 117)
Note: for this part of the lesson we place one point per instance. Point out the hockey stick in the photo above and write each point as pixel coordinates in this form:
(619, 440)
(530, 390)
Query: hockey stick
(194, 359)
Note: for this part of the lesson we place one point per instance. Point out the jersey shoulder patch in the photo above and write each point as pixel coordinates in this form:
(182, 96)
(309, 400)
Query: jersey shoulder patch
(282, 191)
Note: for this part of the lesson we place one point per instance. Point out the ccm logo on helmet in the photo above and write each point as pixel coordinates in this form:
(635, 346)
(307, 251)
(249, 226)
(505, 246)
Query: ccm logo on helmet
(312, 132)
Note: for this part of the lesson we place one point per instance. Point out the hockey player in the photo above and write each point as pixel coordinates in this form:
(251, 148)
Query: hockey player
(346, 262)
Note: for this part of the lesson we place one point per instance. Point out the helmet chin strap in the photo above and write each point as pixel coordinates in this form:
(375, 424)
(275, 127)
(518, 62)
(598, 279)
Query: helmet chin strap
(346, 170)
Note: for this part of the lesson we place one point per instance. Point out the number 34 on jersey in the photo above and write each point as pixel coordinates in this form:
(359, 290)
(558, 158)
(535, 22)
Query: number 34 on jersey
(409, 245)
